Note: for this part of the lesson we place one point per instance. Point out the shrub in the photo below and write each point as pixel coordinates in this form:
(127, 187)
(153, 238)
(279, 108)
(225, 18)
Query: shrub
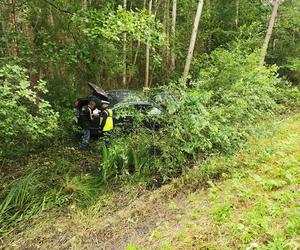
(24, 114)
(213, 114)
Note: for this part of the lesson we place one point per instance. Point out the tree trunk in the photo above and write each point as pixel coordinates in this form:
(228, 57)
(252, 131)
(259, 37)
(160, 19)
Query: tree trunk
(136, 53)
(134, 61)
(237, 3)
(193, 40)
(157, 4)
(146, 85)
(124, 49)
(173, 30)
(269, 32)
(167, 29)
(4, 28)
(209, 42)
(11, 26)
(51, 18)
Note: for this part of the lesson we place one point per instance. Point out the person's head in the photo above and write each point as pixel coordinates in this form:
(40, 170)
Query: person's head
(92, 104)
(104, 104)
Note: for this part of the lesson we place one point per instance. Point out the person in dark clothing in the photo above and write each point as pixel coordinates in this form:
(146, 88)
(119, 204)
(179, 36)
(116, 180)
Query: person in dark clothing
(87, 117)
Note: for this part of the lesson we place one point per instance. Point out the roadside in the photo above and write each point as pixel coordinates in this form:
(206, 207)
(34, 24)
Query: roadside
(254, 203)
(258, 207)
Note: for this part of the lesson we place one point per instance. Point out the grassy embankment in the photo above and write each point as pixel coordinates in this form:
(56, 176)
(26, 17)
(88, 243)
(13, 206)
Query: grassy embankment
(249, 200)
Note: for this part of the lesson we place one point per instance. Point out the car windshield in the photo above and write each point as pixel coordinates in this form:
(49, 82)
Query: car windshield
(119, 96)
(130, 108)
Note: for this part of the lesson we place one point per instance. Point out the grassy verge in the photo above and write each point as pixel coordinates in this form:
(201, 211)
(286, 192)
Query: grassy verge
(256, 208)
(250, 200)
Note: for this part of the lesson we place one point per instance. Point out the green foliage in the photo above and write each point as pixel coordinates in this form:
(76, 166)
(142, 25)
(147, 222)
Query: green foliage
(138, 25)
(214, 114)
(125, 156)
(25, 115)
(221, 213)
(131, 247)
(82, 188)
(286, 41)
(101, 38)
(19, 195)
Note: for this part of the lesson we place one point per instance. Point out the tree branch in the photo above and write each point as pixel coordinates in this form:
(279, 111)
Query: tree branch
(58, 8)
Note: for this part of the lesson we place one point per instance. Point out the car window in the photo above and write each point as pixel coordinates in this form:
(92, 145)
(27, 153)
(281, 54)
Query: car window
(119, 96)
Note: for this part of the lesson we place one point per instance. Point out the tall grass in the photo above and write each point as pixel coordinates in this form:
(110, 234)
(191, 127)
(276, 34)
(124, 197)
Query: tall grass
(21, 202)
(21, 193)
(34, 193)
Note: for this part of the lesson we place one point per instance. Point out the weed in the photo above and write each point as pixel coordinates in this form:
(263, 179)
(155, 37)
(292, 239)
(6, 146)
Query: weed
(293, 226)
(166, 245)
(221, 213)
(192, 197)
(80, 186)
(195, 214)
(131, 247)
(277, 244)
(172, 205)
(270, 184)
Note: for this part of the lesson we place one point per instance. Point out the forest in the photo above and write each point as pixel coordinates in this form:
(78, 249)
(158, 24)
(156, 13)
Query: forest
(224, 77)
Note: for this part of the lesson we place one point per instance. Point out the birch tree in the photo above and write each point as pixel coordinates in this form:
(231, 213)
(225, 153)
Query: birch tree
(146, 84)
(166, 28)
(85, 4)
(269, 32)
(124, 49)
(237, 3)
(173, 30)
(136, 52)
(193, 40)
(51, 18)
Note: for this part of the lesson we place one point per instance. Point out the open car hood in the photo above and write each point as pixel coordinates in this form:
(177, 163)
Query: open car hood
(97, 91)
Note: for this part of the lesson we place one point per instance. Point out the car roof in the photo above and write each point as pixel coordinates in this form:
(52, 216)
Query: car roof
(121, 93)
(135, 103)
(122, 90)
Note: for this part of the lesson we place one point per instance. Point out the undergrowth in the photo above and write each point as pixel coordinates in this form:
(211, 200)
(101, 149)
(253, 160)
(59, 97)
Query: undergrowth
(214, 114)
(211, 115)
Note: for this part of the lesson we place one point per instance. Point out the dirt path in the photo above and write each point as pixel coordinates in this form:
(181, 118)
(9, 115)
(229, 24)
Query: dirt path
(85, 230)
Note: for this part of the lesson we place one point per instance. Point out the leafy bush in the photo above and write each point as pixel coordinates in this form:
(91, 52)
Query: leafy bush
(24, 114)
(213, 114)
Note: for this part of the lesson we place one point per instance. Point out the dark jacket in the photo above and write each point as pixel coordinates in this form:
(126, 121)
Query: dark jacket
(104, 114)
(86, 117)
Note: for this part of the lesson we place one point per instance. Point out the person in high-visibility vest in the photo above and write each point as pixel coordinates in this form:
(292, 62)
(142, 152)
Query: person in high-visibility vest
(106, 119)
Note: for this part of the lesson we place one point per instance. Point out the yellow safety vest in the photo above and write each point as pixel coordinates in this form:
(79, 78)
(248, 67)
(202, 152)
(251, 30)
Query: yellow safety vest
(109, 124)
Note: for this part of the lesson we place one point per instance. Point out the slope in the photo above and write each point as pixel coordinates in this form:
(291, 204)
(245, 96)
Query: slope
(249, 200)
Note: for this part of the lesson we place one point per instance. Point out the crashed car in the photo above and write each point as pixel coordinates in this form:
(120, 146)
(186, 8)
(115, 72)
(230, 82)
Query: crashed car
(127, 105)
